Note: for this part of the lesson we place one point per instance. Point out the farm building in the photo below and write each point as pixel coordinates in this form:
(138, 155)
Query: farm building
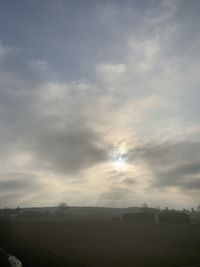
(141, 217)
(174, 217)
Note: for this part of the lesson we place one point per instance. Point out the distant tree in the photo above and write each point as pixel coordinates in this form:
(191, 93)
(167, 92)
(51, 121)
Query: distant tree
(62, 209)
(144, 208)
(18, 209)
(198, 208)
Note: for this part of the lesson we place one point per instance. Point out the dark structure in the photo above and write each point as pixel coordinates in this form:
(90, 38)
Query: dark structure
(142, 217)
(174, 217)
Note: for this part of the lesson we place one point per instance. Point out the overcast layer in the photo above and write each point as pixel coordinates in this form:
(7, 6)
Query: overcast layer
(99, 103)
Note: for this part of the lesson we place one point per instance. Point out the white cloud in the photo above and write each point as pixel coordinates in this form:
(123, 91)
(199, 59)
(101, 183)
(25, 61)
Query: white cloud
(111, 72)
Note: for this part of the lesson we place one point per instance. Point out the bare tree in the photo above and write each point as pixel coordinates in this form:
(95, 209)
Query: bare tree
(62, 209)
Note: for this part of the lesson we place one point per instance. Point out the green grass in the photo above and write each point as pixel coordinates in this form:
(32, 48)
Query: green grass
(109, 243)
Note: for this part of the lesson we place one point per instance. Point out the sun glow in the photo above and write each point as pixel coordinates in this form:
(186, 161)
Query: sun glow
(120, 163)
(119, 159)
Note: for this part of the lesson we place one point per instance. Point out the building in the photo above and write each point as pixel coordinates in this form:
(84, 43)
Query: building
(174, 217)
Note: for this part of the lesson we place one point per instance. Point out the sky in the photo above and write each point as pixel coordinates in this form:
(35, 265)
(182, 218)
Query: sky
(99, 103)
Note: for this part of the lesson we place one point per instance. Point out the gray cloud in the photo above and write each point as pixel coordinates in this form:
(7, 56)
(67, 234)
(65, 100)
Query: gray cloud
(15, 185)
(53, 128)
(194, 184)
(116, 196)
(114, 174)
(128, 181)
(18, 182)
(172, 164)
(190, 168)
(70, 150)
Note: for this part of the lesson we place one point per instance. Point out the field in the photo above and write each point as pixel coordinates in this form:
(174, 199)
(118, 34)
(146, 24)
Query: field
(105, 243)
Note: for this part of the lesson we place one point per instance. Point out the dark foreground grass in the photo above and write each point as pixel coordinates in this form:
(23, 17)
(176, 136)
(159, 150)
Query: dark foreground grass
(105, 244)
(4, 259)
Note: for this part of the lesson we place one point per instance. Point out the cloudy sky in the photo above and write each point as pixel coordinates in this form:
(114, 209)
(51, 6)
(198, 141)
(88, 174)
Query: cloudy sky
(100, 103)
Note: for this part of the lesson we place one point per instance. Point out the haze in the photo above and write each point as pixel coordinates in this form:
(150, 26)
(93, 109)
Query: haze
(99, 103)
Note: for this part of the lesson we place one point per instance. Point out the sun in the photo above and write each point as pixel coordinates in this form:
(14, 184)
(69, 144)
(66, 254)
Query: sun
(119, 161)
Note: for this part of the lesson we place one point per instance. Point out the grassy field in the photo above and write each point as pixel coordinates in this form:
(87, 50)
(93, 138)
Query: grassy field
(109, 243)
